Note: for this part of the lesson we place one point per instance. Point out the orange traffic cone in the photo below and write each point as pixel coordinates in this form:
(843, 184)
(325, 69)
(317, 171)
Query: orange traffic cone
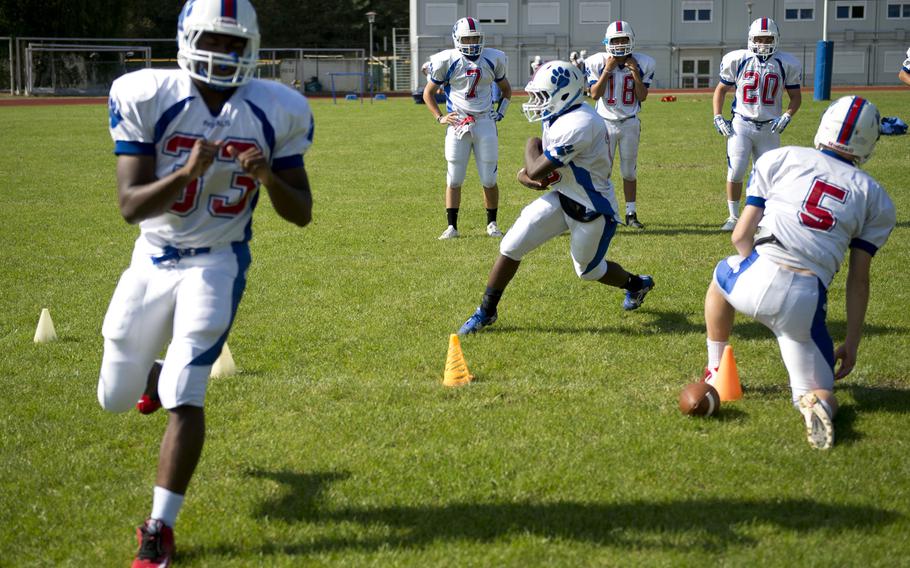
(726, 381)
(456, 373)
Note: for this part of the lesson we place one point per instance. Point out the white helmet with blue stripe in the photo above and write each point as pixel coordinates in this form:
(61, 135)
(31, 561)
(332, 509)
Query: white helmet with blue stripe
(554, 88)
(851, 125)
(464, 29)
(224, 17)
(763, 27)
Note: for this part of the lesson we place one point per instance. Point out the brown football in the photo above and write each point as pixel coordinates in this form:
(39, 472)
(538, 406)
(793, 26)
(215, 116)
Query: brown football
(699, 399)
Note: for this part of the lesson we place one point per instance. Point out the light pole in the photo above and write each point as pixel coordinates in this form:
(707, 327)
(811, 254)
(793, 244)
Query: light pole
(371, 17)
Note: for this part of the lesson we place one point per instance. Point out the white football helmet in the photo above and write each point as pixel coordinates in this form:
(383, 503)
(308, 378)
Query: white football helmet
(468, 28)
(235, 18)
(763, 27)
(555, 87)
(619, 29)
(851, 125)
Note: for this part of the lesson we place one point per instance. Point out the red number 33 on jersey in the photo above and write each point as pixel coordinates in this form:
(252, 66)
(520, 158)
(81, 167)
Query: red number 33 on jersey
(813, 214)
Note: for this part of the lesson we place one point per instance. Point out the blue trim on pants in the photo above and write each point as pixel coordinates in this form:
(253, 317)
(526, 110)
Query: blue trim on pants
(605, 238)
(819, 330)
(727, 277)
(242, 252)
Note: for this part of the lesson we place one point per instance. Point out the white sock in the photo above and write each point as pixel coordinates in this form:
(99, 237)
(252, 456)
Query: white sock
(715, 351)
(630, 207)
(166, 505)
(733, 207)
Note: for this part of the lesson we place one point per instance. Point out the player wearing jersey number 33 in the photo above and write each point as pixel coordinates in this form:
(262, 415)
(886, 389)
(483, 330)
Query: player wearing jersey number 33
(758, 75)
(193, 147)
(804, 209)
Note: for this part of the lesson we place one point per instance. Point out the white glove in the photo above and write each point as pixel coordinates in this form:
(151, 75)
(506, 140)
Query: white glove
(781, 123)
(723, 126)
(464, 126)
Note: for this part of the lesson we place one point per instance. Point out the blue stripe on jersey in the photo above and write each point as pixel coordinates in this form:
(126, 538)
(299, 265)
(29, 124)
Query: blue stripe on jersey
(450, 71)
(242, 252)
(783, 74)
(267, 129)
(864, 245)
(819, 331)
(287, 163)
(724, 81)
(168, 116)
(726, 277)
(836, 156)
(123, 147)
(740, 68)
(309, 135)
(755, 201)
(583, 178)
(436, 82)
(447, 89)
(553, 158)
(605, 238)
(492, 67)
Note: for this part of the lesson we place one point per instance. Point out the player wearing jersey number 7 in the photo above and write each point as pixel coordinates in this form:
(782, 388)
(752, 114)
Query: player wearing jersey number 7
(804, 209)
(758, 76)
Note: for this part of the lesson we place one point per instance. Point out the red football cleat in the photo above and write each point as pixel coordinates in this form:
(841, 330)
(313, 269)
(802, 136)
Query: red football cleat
(156, 545)
(710, 374)
(149, 403)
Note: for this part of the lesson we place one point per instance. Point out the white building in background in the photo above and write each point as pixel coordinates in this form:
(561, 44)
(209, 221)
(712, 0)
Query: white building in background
(686, 37)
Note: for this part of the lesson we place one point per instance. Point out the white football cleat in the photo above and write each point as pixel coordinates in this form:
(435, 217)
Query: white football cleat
(450, 233)
(493, 229)
(729, 224)
(819, 428)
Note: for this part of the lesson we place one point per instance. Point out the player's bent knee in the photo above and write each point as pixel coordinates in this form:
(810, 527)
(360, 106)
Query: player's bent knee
(120, 385)
(594, 274)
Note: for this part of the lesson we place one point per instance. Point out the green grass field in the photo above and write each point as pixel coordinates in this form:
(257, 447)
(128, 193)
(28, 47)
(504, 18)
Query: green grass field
(336, 444)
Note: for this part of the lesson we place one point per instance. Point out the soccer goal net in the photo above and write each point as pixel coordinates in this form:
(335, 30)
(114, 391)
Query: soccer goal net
(78, 69)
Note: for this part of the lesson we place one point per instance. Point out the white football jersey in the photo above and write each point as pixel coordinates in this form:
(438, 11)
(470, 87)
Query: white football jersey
(160, 113)
(759, 86)
(578, 141)
(817, 206)
(906, 65)
(468, 85)
(619, 100)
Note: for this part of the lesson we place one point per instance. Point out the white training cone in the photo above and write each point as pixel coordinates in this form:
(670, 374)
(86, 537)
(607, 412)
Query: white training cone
(224, 366)
(45, 331)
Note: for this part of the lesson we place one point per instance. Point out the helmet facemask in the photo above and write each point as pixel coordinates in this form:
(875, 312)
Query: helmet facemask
(199, 53)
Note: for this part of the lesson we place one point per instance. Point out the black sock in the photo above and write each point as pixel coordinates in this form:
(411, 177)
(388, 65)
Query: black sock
(491, 215)
(452, 216)
(633, 284)
(491, 298)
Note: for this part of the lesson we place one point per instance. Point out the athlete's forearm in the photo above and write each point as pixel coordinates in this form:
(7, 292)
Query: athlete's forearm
(796, 100)
(143, 201)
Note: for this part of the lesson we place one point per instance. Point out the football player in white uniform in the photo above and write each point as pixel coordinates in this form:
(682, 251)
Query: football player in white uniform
(619, 80)
(904, 74)
(467, 74)
(804, 208)
(193, 146)
(758, 75)
(573, 158)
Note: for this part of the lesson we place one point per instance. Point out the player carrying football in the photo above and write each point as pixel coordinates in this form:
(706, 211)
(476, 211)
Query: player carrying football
(467, 75)
(804, 208)
(193, 147)
(758, 75)
(574, 158)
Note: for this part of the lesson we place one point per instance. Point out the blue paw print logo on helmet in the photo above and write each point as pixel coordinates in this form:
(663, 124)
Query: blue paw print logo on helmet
(561, 77)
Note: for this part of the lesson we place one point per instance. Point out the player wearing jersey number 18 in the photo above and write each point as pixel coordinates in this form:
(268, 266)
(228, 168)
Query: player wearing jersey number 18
(804, 209)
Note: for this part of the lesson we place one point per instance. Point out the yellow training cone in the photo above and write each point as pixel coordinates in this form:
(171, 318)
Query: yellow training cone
(726, 381)
(456, 368)
(45, 331)
(224, 366)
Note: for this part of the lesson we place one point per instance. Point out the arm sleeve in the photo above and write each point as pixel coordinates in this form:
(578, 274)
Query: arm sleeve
(906, 66)
(502, 66)
(593, 69)
(132, 119)
(728, 67)
(760, 180)
(563, 144)
(296, 136)
(878, 224)
(647, 72)
(794, 73)
(438, 70)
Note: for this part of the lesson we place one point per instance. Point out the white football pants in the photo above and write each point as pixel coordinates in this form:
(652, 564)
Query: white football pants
(790, 304)
(749, 140)
(190, 302)
(627, 135)
(544, 218)
(484, 140)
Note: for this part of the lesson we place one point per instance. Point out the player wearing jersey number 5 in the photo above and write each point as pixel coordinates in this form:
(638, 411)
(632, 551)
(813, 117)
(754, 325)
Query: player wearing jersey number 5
(573, 159)
(467, 74)
(619, 80)
(804, 208)
(758, 75)
(193, 146)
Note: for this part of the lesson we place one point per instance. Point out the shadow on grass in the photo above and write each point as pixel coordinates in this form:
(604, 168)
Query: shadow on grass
(694, 524)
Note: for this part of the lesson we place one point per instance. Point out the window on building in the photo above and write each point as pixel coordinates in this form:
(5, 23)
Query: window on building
(898, 10)
(493, 13)
(594, 13)
(543, 14)
(441, 14)
(850, 11)
(696, 73)
(700, 11)
(796, 10)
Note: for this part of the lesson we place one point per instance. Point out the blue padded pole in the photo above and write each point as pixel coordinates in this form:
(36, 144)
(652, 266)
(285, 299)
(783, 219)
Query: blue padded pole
(824, 61)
